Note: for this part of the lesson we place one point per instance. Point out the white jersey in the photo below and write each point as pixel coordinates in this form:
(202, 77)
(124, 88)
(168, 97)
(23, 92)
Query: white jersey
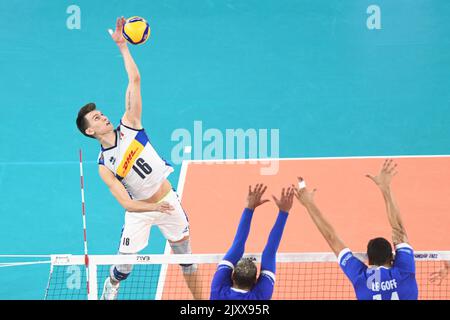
(135, 162)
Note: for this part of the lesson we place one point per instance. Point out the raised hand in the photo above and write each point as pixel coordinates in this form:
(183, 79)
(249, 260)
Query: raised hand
(384, 177)
(304, 195)
(254, 197)
(117, 34)
(285, 202)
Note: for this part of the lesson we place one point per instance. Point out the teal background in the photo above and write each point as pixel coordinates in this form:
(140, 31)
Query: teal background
(310, 68)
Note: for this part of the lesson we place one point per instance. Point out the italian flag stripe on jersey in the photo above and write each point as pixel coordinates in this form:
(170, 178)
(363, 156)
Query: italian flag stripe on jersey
(134, 150)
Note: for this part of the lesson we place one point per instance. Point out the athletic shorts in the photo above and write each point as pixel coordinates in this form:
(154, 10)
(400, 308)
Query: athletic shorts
(136, 230)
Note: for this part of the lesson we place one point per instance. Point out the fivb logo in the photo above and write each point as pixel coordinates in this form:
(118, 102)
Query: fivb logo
(235, 144)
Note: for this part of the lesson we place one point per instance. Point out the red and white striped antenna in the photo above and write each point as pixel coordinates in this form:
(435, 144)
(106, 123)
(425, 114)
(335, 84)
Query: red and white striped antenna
(86, 257)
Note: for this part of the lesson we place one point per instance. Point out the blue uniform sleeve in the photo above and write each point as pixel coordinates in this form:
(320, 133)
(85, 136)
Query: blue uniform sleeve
(404, 258)
(263, 288)
(236, 251)
(352, 266)
(221, 280)
(269, 254)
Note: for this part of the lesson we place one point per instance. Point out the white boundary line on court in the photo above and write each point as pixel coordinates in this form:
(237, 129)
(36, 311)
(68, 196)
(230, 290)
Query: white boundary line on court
(163, 271)
(313, 158)
(22, 163)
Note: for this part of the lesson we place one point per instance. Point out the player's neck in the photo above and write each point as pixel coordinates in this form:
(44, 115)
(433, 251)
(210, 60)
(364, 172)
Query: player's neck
(108, 140)
(379, 266)
(238, 288)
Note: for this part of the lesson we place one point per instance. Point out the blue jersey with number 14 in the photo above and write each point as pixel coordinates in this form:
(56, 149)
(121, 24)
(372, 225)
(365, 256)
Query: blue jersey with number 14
(381, 283)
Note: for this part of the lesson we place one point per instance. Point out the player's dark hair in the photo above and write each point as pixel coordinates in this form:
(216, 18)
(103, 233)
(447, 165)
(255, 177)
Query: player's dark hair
(82, 122)
(244, 275)
(379, 251)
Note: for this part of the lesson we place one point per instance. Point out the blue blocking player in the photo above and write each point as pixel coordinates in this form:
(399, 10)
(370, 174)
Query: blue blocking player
(387, 277)
(235, 278)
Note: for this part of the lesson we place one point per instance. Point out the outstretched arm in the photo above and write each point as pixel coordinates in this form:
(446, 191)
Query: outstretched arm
(268, 259)
(237, 249)
(383, 181)
(306, 198)
(133, 99)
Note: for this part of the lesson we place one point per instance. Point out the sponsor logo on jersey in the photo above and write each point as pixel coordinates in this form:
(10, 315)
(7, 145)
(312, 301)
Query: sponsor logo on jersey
(131, 154)
(128, 160)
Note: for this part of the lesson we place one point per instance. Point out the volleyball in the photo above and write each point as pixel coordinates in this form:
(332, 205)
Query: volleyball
(136, 30)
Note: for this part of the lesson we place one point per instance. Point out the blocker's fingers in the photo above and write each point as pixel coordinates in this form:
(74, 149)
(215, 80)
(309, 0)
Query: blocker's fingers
(385, 164)
(263, 190)
(110, 31)
(392, 168)
(288, 192)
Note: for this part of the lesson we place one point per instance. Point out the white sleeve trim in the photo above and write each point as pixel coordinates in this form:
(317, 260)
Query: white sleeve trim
(226, 263)
(342, 253)
(268, 273)
(403, 245)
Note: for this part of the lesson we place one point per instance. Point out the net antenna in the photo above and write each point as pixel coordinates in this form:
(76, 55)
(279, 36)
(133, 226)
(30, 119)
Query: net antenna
(83, 209)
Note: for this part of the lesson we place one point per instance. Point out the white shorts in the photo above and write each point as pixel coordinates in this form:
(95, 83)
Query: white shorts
(136, 230)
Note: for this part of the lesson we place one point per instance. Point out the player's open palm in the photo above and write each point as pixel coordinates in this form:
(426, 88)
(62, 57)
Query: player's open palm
(304, 195)
(286, 199)
(387, 172)
(117, 35)
(254, 196)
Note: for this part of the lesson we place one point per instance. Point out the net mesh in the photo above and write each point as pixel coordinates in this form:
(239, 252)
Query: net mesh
(295, 280)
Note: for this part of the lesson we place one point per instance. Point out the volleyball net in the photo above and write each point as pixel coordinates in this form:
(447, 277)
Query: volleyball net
(299, 276)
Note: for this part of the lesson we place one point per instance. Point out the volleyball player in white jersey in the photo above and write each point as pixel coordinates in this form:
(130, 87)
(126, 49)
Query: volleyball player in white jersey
(137, 177)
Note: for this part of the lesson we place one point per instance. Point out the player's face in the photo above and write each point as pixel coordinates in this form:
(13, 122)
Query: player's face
(99, 123)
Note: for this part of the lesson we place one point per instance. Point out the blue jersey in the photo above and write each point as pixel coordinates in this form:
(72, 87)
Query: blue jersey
(381, 283)
(221, 287)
